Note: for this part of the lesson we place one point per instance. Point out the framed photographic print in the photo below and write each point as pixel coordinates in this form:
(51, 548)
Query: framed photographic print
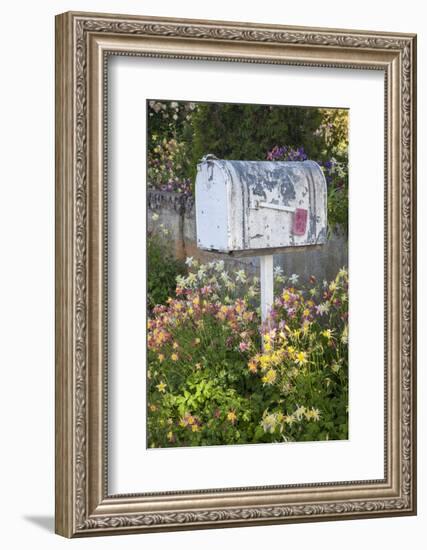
(235, 274)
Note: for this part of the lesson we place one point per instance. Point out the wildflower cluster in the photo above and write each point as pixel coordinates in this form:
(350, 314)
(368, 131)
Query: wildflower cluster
(216, 375)
(166, 166)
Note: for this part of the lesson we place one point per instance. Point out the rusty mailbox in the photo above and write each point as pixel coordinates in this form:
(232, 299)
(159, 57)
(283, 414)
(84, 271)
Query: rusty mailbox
(257, 206)
(260, 208)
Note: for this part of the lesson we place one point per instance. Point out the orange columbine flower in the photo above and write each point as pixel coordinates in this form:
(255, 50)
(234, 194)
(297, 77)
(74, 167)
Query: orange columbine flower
(252, 366)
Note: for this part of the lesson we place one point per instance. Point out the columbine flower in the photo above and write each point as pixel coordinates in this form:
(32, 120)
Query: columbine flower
(323, 308)
(202, 271)
(219, 266)
(174, 357)
(313, 414)
(161, 357)
(252, 365)
(327, 333)
(300, 412)
(269, 423)
(231, 416)
(189, 261)
(278, 270)
(161, 387)
(155, 217)
(294, 278)
(243, 346)
(241, 276)
(269, 377)
(301, 358)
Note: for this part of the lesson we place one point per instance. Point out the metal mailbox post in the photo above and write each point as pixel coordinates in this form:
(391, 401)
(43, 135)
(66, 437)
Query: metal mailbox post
(251, 208)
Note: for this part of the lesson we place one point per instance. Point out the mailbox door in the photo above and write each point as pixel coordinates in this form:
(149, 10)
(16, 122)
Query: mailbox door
(289, 208)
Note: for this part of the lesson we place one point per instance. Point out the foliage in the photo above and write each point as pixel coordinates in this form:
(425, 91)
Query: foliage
(244, 131)
(215, 377)
(163, 267)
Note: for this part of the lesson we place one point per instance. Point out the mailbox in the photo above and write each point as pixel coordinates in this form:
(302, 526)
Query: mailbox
(257, 206)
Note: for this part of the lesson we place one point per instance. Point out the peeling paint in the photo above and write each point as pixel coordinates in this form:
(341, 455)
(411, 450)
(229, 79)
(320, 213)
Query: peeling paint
(228, 197)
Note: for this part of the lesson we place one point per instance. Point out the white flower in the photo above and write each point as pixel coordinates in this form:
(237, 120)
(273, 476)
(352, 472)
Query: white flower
(269, 423)
(155, 217)
(278, 270)
(240, 276)
(294, 278)
(189, 261)
(202, 272)
(323, 308)
(224, 276)
(299, 413)
(219, 266)
(180, 281)
(191, 279)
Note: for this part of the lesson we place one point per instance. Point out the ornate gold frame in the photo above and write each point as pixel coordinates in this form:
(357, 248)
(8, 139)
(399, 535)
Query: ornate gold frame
(83, 43)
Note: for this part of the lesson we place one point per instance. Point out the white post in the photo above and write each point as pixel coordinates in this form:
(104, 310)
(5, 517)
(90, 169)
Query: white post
(266, 265)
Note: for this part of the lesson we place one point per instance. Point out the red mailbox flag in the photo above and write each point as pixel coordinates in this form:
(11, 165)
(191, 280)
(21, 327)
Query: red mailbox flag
(300, 221)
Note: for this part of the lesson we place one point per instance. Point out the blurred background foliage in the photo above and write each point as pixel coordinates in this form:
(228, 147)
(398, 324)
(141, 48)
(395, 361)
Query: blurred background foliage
(180, 133)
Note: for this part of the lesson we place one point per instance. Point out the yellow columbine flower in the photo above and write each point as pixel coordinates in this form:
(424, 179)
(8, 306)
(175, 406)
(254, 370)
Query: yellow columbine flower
(161, 387)
(327, 333)
(170, 436)
(290, 419)
(264, 361)
(301, 358)
(231, 416)
(161, 357)
(267, 346)
(306, 312)
(175, 345)
(195, 428)
(174, 357)
(312, 414)
(286, 296)
(269, 377)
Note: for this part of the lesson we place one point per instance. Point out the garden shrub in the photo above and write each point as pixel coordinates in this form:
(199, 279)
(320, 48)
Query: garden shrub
(246, 132)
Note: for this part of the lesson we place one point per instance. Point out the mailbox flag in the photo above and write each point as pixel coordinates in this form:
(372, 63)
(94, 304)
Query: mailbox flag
(300, 221)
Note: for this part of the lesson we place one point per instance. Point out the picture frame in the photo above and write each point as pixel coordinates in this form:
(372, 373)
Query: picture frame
(84, 42)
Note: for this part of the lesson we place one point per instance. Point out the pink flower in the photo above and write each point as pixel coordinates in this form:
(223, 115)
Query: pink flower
(243, 346)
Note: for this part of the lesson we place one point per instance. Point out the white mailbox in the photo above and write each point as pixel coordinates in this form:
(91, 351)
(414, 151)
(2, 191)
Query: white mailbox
(257, 206)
